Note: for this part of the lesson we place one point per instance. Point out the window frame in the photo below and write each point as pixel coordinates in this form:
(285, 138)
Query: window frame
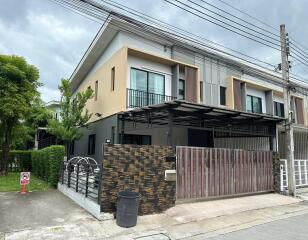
(224, 96)
(148, 73)
(252, 105)
(96, 90)
(91, 148)
(201, 91)
(184, 89)
(281, 109)
(113, 78)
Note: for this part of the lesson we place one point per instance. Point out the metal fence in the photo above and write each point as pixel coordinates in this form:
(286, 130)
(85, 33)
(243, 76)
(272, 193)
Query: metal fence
(300, 171)
(82, 174)
(136, 98)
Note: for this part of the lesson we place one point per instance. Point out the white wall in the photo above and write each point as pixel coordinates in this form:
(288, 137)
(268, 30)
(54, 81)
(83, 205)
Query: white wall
(150, 66)
(257, 93)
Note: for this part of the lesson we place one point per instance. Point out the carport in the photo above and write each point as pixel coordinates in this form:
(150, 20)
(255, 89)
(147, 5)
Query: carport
(229, 153)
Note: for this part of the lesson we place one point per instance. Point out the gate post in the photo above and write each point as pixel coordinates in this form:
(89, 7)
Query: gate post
(276, 172)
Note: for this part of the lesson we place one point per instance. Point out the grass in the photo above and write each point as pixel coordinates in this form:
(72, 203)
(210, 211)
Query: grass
(10, 183)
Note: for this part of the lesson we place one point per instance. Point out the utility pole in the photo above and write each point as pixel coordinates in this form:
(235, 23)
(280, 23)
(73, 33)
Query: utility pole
(289, 142)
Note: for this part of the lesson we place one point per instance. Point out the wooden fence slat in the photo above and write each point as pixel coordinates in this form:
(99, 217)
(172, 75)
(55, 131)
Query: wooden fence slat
(186, 174)
(191, 172)
(202, 172)
(216, 173)
(210, 172)
(197, 173)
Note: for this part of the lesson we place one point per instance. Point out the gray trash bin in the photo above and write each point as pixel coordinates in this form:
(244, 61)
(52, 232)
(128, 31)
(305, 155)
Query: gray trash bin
(127, 208)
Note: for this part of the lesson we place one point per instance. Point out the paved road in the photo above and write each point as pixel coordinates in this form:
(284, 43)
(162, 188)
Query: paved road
(294, 228)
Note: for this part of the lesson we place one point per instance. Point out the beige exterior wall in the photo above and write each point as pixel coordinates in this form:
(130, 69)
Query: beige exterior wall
(108, 102)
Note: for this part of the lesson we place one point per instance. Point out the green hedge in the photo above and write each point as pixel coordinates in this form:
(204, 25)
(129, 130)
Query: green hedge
(19, 160)
(46, 163)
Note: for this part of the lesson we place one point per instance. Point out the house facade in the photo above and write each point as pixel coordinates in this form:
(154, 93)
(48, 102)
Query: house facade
(207, 98)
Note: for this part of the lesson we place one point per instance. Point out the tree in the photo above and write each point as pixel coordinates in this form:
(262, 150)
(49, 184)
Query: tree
(18, 90)
(73, 114)
(24, 134)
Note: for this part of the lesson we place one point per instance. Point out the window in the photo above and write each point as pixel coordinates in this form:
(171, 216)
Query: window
(181, 89)
(182, 69)
(201, 91)
(91, 144)
(72, 148)
(253, 104)
(279, 109)
(148, 87)
(112, 134)
(112, 78)
(96, 91)
(223, 96)
(137, 139)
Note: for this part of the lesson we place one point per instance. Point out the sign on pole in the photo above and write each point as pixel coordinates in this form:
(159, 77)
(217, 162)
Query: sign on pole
(24, 181)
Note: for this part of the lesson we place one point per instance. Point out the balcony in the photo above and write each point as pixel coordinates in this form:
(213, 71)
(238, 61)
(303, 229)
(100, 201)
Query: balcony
(136, 98)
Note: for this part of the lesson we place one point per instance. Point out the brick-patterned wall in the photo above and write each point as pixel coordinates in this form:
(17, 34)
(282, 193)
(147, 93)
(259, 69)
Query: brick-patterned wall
(276, 172)
(141, 169)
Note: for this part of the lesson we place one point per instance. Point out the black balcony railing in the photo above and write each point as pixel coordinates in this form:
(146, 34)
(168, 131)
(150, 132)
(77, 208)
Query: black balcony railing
(136, 98)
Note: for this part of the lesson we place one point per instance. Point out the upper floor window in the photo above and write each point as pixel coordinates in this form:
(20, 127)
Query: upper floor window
(298, 106)
(112, 78)
(279, 109)
(96, 91)
(91, 144)
(253, 104)
(201, 91)
(181, 89)
(147, 81)
(222, 92)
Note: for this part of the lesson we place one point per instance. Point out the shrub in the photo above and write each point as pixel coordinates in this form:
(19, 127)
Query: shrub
(46, 163)
(19, 160)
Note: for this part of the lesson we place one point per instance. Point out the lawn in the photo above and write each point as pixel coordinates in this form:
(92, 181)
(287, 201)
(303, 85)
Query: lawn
(10, 183)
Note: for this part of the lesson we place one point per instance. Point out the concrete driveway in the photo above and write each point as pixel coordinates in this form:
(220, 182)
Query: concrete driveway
(37, 209)
(51, 215)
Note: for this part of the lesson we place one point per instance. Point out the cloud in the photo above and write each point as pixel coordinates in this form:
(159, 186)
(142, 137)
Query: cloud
(54, 38)
(49, 94)
(48, 36)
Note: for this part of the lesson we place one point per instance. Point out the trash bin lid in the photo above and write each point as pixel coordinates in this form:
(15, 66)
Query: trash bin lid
(128, 194)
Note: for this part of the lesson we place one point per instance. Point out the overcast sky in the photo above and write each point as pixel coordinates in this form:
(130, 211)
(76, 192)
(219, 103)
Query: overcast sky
(54, 38)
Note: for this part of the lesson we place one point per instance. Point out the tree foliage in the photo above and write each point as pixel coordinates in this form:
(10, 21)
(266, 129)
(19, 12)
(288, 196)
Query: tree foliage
(18, 92)
(73, 113)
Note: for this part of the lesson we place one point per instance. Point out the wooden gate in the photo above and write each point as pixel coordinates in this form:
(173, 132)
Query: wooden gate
(218, 172)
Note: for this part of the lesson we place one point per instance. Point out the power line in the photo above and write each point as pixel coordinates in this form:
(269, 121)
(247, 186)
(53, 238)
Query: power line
(242, 32)
(247, 69)
(248, 15)
(254, 25)
(226, 18)
(299, 58)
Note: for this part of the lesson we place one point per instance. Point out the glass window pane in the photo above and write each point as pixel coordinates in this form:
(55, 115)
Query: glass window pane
(248, 104)
(222, 96)
(138, 80)
(156, 83)
(181, 89)
(156, 88)
(257, 105)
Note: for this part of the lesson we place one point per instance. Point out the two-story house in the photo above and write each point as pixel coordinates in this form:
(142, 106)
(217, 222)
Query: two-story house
(153, 88)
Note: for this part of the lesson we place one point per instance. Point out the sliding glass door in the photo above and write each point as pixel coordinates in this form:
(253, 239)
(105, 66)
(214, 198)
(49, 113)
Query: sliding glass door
(147, 88)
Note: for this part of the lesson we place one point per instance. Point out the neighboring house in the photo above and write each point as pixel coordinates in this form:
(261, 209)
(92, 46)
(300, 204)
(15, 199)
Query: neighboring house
(42, 137)
(197, 96)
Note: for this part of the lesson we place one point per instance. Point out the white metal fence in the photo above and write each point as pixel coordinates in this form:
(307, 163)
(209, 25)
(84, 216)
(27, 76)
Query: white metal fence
(300, 171)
